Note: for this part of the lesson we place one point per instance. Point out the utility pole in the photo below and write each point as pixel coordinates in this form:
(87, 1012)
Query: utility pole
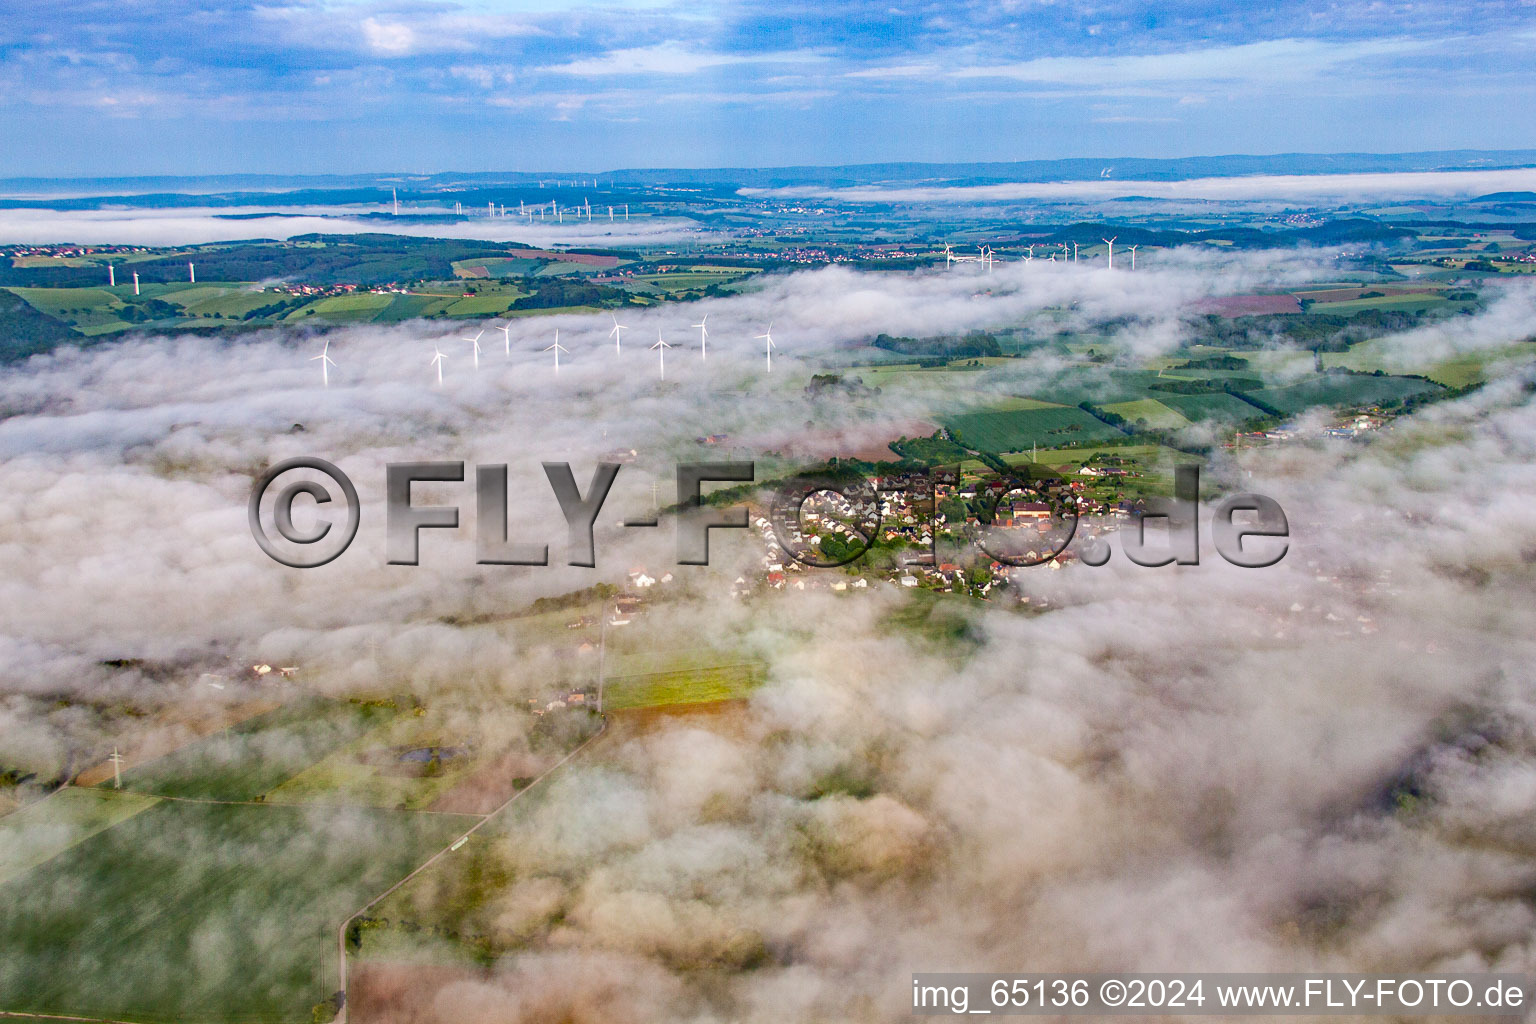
(117, 769)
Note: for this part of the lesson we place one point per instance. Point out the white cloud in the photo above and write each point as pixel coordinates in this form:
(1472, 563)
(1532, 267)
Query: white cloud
(1276, 59)
(389, 38)
(669, 59)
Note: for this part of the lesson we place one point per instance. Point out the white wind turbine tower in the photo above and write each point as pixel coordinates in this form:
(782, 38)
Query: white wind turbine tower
(1074, 252)
(949, 257)
(326, 362)
(1133, 256)
(437, 361)
(1031, 253)
(1111, 243)
(660, 348)
(768, 346)
(506, 337)
(557, 348)
(617, 334)
(703, 335)
(475, 341)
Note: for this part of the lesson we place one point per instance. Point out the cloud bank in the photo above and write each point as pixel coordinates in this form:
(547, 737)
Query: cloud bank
(1326, 765)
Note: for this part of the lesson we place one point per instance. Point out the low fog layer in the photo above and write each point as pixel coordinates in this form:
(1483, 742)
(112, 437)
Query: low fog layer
(1311, 188)
(194, 225)
(1325, 765)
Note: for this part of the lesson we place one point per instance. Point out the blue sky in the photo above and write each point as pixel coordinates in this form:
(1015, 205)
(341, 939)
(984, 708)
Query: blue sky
(99, 87)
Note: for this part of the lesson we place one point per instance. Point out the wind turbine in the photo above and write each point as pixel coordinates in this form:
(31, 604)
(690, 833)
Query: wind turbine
(475, 341)
(660, 349)
(1031, 254)
(557, 348)
(1074, 252)
(437, 361)
(1111, 243)
(1133, 257)
(326, 362)
(506, 336)
(703, 335)
(949, 257)
(768, 346)
(617, 334)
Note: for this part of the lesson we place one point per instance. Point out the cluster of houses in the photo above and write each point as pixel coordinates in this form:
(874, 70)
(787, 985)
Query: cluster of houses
(65, 252)
(1348, 426)
(561, 701)
(312, 290)
(910, 519)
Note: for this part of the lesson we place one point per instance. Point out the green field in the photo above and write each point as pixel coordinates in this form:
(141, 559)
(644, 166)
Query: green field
(1342, 390)
(259, 754)
(1070, 460)
(345, 308)
(408, 307)
(484, 305)
(40, 831)
(1215, 406)
(366, 771)
(658, 678)
(1099, 386)
(1456, 372)
(498, 266)
(1010, 430)
(202, 912)
(1387, 303)
(227, 302)
(54, 301)
(1156, 413)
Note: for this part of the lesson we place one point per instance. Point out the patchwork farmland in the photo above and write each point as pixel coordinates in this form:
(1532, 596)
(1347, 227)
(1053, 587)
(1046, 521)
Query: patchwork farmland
(1008, 430)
